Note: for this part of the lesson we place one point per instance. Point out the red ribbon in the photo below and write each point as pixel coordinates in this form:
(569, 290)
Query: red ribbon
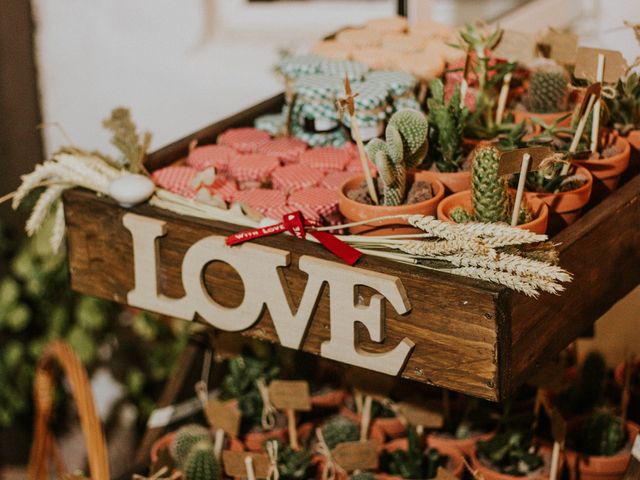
(296, 224)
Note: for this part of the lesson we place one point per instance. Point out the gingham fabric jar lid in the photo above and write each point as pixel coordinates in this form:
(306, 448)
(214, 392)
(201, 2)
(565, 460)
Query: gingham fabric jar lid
(355, 166)
(216, 156)
(298, 65)
(388, 24)
(244, 140)
(359, 37)
(320, 200)
(404, 103)
(317, 111)
(335, 180)
(314, 88)
(272, 123)
(224, 188)
(397, 82)
(333, 49)
(355, 71)
(176, 179)
(278, 212)
(295, 177)
(287, 149)
(261, 199)
(371, 103)
(254, 167)
(335, 138)
(325, 158)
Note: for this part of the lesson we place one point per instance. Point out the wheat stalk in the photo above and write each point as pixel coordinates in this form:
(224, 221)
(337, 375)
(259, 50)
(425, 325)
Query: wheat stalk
(524, 285)
(57, 232)
(42, 207)
(444, 247)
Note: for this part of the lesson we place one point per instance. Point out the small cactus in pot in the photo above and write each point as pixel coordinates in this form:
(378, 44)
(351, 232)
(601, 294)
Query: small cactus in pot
(201, 463)
(548, 89)
(185, 438)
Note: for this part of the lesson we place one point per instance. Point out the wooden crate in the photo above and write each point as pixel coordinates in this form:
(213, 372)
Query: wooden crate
(470, 336)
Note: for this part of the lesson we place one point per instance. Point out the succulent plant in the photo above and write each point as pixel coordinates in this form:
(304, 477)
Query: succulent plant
(601, 434)
(624, 107)
(185, 438)
(446, 127)
(294, 464)
(510, 453)
(340, 429)
(415, 462)
(490, 197)
(548, 89)
(201, 463)
(405, 147)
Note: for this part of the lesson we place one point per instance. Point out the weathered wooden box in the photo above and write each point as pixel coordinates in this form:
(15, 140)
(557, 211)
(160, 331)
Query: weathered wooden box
(469, 336)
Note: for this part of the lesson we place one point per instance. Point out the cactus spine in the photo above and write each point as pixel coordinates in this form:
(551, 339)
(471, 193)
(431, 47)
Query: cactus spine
(548, 89)
(201, 463)
(405, 147)
(186, 437)
(490, 196)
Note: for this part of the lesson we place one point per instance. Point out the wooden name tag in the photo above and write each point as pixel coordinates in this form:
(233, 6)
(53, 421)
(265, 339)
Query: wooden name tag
(224, 415)
(421, 413)
(235, 466)
(615, 65)
(356, 455)
(559, 46)
(290, 395)
(510, 161)
(516, 47)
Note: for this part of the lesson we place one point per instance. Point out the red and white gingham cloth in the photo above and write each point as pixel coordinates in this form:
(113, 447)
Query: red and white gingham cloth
(295, 177)
(335, 180)
(261, 199)
(351, 148)
(288, 150)
(326, 158)
(176, 179)
(244, 140)
(255, 167)
(224, 188)
(216, 156)
(320, 200)
(279, 212)
(355, 166)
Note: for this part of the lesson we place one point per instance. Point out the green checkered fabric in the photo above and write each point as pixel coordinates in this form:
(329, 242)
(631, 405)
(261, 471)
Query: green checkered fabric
(294, 67)
(406, 103)
(371, 104)
(314, 88)
(335, 138)
(398, 83)
(273, 123)
(355, 71)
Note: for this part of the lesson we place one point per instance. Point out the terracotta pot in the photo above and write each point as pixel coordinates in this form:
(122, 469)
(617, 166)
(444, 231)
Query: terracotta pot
(330, 399)
(548, 118)
(254, 441)
(468, 144)
(607, 171)
(354, 211)
(633, 137)
(587, 467)
(390, 427)
(489, 474)
(463, 199)
(455, 465)
(463, 445)
(454, 182)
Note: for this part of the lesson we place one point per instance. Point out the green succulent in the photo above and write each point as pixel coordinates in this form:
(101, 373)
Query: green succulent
(624, 106)
(201, 463)
(601, 434)
(294, 464)
(405, 146)
(338, 430)
(510, 453)
(185, 438)
(446, 128)
(490, 197)
(415, 462)
(548, 89)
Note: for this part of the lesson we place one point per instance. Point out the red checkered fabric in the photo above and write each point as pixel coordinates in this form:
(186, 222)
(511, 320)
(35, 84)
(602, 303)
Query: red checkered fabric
(261, 199)
(216, 156)
(255, 167)
(295, 177)
(326, 158)
(335, 180)
(288, 150)
(355, 166)
(244, 140)
(224, 188)
(279, 212)
(176, 179)
(351, 148)
(321, 200)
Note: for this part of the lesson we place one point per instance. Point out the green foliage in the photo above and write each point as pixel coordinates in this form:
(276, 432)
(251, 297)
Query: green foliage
(185, 439)
(601, 434)
(510, 453)
(446, 122)
(240, 383)
(201, 463)
(405, 147)
(490, 197)
(548, 89)
(624, 107)
(461, 215)
(415, 462)
(126, 139)
(338, 430)
(294, 465)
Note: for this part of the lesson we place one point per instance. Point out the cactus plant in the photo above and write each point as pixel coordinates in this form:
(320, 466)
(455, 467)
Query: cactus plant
(548, 89)
(601, 434)
(294, 464)
(446, 127)
(510, 453)
(340, 429)
(491, 199)
(184, 440)
(405, 147)
(201, 463)
(415, 461)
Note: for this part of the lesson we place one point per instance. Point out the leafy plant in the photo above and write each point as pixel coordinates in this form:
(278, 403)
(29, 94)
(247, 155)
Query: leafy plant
(340, 429)
(601, 433)
(624, 106)
(510, 452)
(415, 462)
(446, 126)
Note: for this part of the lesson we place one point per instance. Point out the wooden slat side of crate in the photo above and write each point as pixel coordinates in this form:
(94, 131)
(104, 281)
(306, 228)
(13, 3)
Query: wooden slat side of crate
(454, 322)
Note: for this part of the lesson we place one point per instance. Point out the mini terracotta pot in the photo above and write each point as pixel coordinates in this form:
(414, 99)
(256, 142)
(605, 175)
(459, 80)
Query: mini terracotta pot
(455, 465)
(463, 445)
(607, 171)
(548, 118)
(454, 182)
(390, 427)
(593, 467)
(355, 211)
(330, 399)
(254, 441)
(489, 474)
(463, 199)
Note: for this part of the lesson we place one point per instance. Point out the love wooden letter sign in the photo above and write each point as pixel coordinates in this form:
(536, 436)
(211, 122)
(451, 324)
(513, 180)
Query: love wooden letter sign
(259, 268)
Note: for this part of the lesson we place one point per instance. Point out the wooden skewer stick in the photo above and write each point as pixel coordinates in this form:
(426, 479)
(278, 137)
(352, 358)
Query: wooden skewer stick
(218, 443)
(502, 99)
(248, 463)
(365, 418)
(579, 130)
(464, 86)
(595, 125)
(524, 167)
(293, 433)
(555, 460)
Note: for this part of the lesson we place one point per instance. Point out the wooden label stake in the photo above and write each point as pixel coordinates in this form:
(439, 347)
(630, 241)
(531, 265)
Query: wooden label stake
(559, 433)
(365, 418)
(464, 86)
(559, 46)
(591, 95)
(290, 395)
(356, 455)
(243, 464)
(224, 416)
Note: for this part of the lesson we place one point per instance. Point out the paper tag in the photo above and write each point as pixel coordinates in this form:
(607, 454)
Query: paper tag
(444, 474)
(234, 465)
(224, 415)
(635, 450)
(615, 66)
(558, 427)
(511, 161)
(356, 455)
(516, 47)
(290, 395)
(559, 46)
(422, 413)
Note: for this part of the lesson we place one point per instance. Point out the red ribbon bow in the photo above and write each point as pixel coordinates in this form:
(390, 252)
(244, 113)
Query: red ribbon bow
(296, 224)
